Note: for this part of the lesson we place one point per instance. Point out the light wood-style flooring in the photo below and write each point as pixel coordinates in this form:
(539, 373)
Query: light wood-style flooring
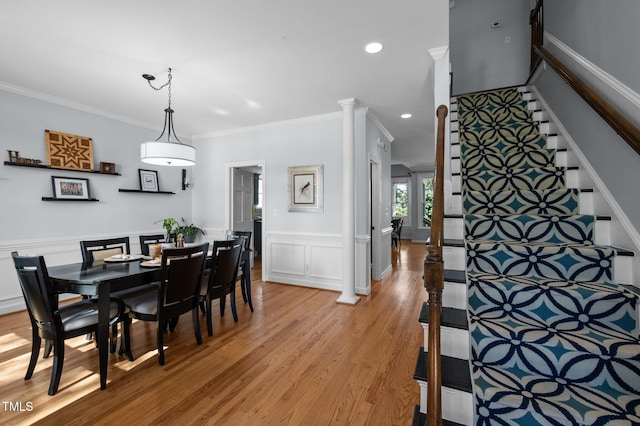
(299, 359)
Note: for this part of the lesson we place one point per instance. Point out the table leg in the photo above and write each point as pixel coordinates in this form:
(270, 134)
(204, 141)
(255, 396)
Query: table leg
(104, 303)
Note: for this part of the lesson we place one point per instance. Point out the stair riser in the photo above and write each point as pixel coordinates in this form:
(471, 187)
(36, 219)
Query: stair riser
(454, 229)
(576, 229)
(454, 295)
(562, 159)
(586, 203)
(580, 369)
(457, 406)
(454, 342)
(576, 264)
(454, 258)
(488, 181)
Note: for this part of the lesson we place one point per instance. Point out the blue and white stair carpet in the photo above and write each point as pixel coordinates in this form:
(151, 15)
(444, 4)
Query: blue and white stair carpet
(554, 339)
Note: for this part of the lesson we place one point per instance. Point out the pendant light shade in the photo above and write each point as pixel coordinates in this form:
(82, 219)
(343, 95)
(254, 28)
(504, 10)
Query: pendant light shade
(167, 153)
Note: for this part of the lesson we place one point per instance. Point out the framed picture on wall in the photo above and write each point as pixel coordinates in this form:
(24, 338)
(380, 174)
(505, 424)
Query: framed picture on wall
(306, 192)
(148, 180)
(70, 188)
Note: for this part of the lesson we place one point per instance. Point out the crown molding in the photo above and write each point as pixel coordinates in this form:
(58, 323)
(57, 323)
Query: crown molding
(18, 90)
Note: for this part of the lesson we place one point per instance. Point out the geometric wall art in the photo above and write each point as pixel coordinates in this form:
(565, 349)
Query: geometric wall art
(67, 151)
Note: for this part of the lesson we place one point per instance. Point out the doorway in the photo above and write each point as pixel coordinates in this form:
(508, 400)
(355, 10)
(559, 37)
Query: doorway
(375, 225)
(246, 202)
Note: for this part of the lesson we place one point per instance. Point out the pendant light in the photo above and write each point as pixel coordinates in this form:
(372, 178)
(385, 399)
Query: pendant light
(167, 153)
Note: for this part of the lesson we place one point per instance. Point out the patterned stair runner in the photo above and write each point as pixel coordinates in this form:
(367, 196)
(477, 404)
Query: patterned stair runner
(554, 339)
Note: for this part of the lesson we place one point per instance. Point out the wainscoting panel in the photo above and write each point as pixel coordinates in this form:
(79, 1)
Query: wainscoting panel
(310, 260)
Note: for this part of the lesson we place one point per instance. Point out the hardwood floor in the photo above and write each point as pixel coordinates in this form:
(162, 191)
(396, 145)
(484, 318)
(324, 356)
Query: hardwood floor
(299, 359)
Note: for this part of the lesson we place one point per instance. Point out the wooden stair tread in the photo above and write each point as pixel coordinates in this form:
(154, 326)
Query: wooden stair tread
(450, 317)
(455, 371)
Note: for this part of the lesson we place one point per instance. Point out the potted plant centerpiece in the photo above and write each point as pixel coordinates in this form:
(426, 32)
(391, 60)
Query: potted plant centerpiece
(190, 232)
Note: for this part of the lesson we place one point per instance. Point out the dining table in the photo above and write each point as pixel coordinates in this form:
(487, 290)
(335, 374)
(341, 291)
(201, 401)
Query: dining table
(98, 280)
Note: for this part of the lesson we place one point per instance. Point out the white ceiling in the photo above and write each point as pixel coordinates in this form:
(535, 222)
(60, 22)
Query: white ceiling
(236, 63)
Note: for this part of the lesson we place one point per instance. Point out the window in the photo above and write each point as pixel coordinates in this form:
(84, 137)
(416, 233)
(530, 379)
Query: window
(400, 199)
(426, 199)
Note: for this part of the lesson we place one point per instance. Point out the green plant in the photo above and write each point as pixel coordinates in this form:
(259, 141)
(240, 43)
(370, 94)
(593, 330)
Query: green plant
(188, 230)
(169, 224)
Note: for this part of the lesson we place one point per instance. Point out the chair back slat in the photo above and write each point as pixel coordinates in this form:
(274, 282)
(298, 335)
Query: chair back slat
(88, 248)
(145, 240)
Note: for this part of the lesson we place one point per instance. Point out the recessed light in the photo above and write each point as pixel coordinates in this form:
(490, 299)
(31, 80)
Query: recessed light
(373, 47)
(406, 115)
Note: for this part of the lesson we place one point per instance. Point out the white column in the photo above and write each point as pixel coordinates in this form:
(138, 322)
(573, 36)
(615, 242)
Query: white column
(348, 203)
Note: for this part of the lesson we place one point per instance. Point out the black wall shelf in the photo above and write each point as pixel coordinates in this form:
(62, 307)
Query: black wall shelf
(33, 166)
(68, 199)
(145, 192)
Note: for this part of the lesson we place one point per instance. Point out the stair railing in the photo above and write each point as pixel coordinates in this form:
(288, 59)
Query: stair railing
(536, 20)
(623, 127)
(434, 280)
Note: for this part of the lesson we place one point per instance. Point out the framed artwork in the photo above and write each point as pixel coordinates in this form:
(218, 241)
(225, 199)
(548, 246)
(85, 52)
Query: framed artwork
(306, 189)
(67, 151)
(148, 180)
(70, 188)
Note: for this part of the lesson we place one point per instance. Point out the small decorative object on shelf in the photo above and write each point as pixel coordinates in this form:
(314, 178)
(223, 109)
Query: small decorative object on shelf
(107, 168)
(14, 158)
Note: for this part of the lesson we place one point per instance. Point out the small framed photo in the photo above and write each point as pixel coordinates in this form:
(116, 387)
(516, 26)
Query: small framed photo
(306, 189)
(148, 180)
(70, 188)
(107, 168)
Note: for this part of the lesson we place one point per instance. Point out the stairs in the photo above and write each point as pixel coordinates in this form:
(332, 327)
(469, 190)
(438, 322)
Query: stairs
(538, 305)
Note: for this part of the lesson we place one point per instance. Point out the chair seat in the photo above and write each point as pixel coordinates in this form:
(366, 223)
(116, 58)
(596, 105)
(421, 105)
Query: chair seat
(83, 314)
(144, 303)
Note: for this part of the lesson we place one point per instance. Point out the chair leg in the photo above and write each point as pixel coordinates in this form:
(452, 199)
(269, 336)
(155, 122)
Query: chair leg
(173, 323)
(196, 325)
(247, 286)
(242, 287)
(232, 296)
(35, 351)
(209, 317)
(47, 348)
(160, 339)
(223, 301)
(114, 338)
(58, 362)
(125, 343)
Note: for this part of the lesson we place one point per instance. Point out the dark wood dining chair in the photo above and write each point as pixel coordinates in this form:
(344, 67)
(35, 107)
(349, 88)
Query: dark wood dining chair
(244, 272)
(95, 250)
(177, 294)
(221, 279)
(54, 323)
(98, 250)
(145, 240)
(396, 224)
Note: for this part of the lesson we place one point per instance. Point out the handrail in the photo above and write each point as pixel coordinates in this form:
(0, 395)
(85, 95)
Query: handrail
(434, 280)
(621, 125)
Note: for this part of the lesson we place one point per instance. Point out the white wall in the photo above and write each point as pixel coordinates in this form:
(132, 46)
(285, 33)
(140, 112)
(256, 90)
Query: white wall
(299, 248)
(54, 229)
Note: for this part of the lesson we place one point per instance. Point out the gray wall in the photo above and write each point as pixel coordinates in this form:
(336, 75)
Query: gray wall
(23, 121)
(480, 58)
(607, 37)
